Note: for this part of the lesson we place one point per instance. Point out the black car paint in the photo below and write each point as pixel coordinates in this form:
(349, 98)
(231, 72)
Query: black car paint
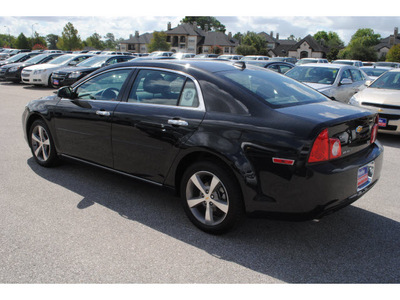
(236, 128)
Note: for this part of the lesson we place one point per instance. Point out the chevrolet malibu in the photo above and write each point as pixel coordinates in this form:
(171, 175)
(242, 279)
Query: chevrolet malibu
(230, 138)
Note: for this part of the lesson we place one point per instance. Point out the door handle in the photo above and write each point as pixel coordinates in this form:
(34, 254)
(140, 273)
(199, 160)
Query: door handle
(178, 122)
(103, 113)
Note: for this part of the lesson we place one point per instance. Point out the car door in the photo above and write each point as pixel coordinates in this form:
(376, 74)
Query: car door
(343, 91)
(161, 112)
(83, 124)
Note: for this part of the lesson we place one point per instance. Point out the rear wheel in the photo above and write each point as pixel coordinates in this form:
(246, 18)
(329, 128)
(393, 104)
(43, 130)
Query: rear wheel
(41, 144)
(211, 197)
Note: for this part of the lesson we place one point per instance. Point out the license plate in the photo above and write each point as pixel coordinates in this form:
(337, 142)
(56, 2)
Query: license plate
(382, 122)
(56, 82)
(365, 175)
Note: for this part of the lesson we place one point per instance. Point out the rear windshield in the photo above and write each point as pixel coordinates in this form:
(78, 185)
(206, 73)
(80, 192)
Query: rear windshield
(277, 90)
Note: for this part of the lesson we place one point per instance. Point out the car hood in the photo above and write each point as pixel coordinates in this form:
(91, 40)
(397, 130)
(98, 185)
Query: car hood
(43, 66)
(318, 86)
(379, 96)
(76, 69)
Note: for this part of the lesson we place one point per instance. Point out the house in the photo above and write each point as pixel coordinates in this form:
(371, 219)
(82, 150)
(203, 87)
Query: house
(385, 44)
(275, 46)
(136, 43)
(308, 47)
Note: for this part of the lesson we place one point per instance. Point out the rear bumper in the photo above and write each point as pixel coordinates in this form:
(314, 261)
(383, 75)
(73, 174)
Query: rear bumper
(314, 190)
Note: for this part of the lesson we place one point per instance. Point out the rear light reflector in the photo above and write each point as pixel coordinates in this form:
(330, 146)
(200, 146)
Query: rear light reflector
(283, 161)
(325, 148)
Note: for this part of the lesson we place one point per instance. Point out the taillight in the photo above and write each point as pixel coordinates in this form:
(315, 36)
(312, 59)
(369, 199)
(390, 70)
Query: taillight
(374, 130)
(325, 148)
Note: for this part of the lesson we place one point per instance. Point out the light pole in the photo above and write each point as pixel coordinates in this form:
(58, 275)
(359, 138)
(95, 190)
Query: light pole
(32, 33)
(9, 37)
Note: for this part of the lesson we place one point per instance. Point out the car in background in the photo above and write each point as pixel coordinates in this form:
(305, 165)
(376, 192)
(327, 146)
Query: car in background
(52, 51)
(292, 60)
(374, 72)
(5, 53)
(387, 64)
(383, 97)
(69, 75)
(368, 63)
(161, 53)
(12, 72)
(183, 55)
(338, 82)
(277, 66)
(230, 57)
(254, 57)
(21, 57)
(41, 74)
(206, 55)
(312, 60)
(230, 140)
(356, 63)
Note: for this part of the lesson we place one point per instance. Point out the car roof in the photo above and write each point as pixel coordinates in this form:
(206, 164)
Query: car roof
(333, 66)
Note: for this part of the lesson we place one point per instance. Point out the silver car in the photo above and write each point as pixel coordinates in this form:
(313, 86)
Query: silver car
(338, 82)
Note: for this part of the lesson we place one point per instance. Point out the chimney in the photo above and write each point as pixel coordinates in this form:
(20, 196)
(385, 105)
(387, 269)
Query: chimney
(396, 32)
(131, 36)
(272, 34)
(230, 35)
(277, 36)
(169, 26)
(206, 27)
(195, 25)
(137, 34)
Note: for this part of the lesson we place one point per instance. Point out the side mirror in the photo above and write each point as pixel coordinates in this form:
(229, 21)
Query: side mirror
(346, 81)
(65, 92)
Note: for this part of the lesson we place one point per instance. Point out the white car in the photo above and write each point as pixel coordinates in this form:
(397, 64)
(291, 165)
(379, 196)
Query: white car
(338, 82)
(383, 96)
(356, 63)
(41, 74)
(255, 57)
(374, 72)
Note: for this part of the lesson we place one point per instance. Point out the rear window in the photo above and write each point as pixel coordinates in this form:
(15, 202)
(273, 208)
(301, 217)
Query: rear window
(277, 90)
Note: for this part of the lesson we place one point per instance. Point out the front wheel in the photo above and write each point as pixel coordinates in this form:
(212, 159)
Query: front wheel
(42, 145)
(211, 197)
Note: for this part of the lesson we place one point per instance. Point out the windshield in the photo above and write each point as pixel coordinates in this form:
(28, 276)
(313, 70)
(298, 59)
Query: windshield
(95, 61)
(61, 59)
(386, 64)
(389, 80)
(16, 57)
(343, 62)
(307, 61)
(314, 74)
(276, 90)
(374, 71)
(36, 59)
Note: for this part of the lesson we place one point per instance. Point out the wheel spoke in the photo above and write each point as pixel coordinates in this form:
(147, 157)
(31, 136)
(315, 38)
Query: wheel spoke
(209, 218)
(222, 205)
(37, 151)
(45, 152)
(35, 138)
(195, 201)
(214, 182)
(198, 183)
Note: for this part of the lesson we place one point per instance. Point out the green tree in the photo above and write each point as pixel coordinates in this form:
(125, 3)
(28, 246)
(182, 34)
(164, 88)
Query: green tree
(246, 50)
(110, 42)
(213, 23)
(158, 42)
(258, 42)
(52, 40)
(94, 41)
(38, 40)
(22, 42)
(69, 39)
(361, 46)
(394, 54)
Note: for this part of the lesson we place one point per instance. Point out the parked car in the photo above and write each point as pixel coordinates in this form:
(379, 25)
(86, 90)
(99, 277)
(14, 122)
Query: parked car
(374, 72)
(229, 139)
(254, 57)
(291, 60)
(383, 96)
(312, 60)
(5, 53)
(206, 55)
(21, 57)
(356, 63)
(12, 72)
(338, 82)
(96, 52)
(41, 74)
(368, 63)
(277, 66)
(230, 56)
(183, 55)
(161, 53)
(387, 64)
(69, 75)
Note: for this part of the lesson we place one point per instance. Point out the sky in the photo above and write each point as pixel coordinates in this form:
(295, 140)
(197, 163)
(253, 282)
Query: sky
(128, 16)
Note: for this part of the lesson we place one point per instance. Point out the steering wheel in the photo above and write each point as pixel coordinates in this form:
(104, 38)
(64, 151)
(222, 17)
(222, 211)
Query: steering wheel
(109, 93)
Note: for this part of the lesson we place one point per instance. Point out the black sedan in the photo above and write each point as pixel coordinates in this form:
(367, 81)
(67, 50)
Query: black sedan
(277, 66)
(70, 75)
(230, 138)
(12, 72)
(18, 58)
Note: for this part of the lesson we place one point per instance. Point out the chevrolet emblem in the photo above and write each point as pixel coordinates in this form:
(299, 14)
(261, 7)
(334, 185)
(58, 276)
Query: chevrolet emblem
(359, 129)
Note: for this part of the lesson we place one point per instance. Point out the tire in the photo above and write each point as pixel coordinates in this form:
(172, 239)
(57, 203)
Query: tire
(211, 197)
(42, 145)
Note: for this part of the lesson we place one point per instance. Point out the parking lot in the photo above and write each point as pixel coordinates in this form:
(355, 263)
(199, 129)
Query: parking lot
(80, 224)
